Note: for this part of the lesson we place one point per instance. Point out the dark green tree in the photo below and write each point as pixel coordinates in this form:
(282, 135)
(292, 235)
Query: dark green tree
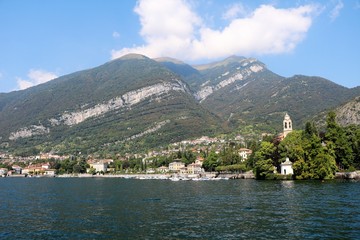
(342, 148)
(211, 162)
(264, 164)
(323, 166)
(352, 133)
(264, 169)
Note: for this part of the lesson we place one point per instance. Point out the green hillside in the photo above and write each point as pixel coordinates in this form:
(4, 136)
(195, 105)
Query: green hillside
(133, 103)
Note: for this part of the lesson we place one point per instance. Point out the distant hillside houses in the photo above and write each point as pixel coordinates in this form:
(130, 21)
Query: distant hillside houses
(205, 140)
(45, 156)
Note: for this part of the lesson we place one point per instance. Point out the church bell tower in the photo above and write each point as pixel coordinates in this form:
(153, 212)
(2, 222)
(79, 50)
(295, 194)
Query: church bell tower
(287, 124)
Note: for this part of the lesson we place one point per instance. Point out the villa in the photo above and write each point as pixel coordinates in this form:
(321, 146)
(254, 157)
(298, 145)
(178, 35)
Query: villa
(176, 166)
(244, 153)
(100, 166)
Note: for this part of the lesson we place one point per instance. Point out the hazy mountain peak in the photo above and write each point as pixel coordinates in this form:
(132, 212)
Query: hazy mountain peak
(169, 59)
(133, 56)
(226, 61)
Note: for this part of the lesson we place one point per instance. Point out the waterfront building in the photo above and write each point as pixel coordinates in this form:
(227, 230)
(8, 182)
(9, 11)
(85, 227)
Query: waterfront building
(286, 167)
(100, 166)
(194, 168)
(199, 160)
(176, 166)
(163, 169)
(3, 171)
(17, 169)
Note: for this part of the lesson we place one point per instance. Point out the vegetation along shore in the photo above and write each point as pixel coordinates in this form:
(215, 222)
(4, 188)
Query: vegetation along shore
(292, 154)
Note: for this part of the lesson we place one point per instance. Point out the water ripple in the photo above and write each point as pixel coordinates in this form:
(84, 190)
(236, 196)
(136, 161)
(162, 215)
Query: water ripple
(130, 209)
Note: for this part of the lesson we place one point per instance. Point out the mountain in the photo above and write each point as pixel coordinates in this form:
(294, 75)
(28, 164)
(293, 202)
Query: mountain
(188, 73)
(349, 113)
(128, 104)
(346, 114)
(243, 91)
(135, 103)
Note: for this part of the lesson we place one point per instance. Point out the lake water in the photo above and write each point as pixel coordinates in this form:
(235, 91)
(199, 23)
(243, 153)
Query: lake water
(103, 208)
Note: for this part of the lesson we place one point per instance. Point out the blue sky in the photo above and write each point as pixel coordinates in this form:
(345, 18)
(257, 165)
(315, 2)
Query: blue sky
(41, 40)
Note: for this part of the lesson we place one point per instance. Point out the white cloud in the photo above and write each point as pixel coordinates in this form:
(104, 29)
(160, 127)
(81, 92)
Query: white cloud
(172, 28)
(24, 84)
(116, 34)
(234, 11)
(335, 12)
(167, 27)
(35, 77)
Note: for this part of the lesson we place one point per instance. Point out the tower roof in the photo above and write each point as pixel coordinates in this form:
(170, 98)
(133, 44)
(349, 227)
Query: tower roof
(287, 162)
(287, 117)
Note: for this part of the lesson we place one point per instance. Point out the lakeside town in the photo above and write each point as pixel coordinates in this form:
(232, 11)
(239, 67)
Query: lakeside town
(45, 164)
(291, 154)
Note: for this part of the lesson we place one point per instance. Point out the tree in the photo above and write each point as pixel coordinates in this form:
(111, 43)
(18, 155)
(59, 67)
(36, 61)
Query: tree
(232, 168)
(264, 164)
(229, 156)
(323, 166)
(92, 171)
(342, 148)
(265, 152)
(264, 169)
(211, 162)
(310, 129)
(352, 133)
(77, 169)
(292, 146)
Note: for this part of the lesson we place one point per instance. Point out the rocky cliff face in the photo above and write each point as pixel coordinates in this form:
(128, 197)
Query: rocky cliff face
(30, 131)
(247, 68)
(127, 100)
(349, 113)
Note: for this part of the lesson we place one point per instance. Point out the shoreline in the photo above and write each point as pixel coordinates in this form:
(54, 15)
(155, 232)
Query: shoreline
(144, 176)
(175, 176)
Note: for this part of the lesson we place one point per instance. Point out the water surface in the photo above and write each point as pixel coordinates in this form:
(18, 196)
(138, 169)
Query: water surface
(103, 208)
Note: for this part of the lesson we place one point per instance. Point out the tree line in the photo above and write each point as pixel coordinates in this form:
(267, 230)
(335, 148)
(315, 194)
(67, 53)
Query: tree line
(315, 155)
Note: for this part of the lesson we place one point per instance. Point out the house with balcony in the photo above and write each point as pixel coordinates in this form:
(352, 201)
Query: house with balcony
(194, 168)
(176, 166)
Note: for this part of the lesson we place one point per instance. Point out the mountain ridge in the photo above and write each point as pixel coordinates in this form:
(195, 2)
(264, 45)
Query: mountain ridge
(125, 90)
(135, 102)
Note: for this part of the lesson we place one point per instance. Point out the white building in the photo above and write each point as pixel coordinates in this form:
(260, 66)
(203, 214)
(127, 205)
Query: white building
(3, 171)
(17, 169)
(286, 167)
(244, 153)
(99, 166)
(163, 169)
